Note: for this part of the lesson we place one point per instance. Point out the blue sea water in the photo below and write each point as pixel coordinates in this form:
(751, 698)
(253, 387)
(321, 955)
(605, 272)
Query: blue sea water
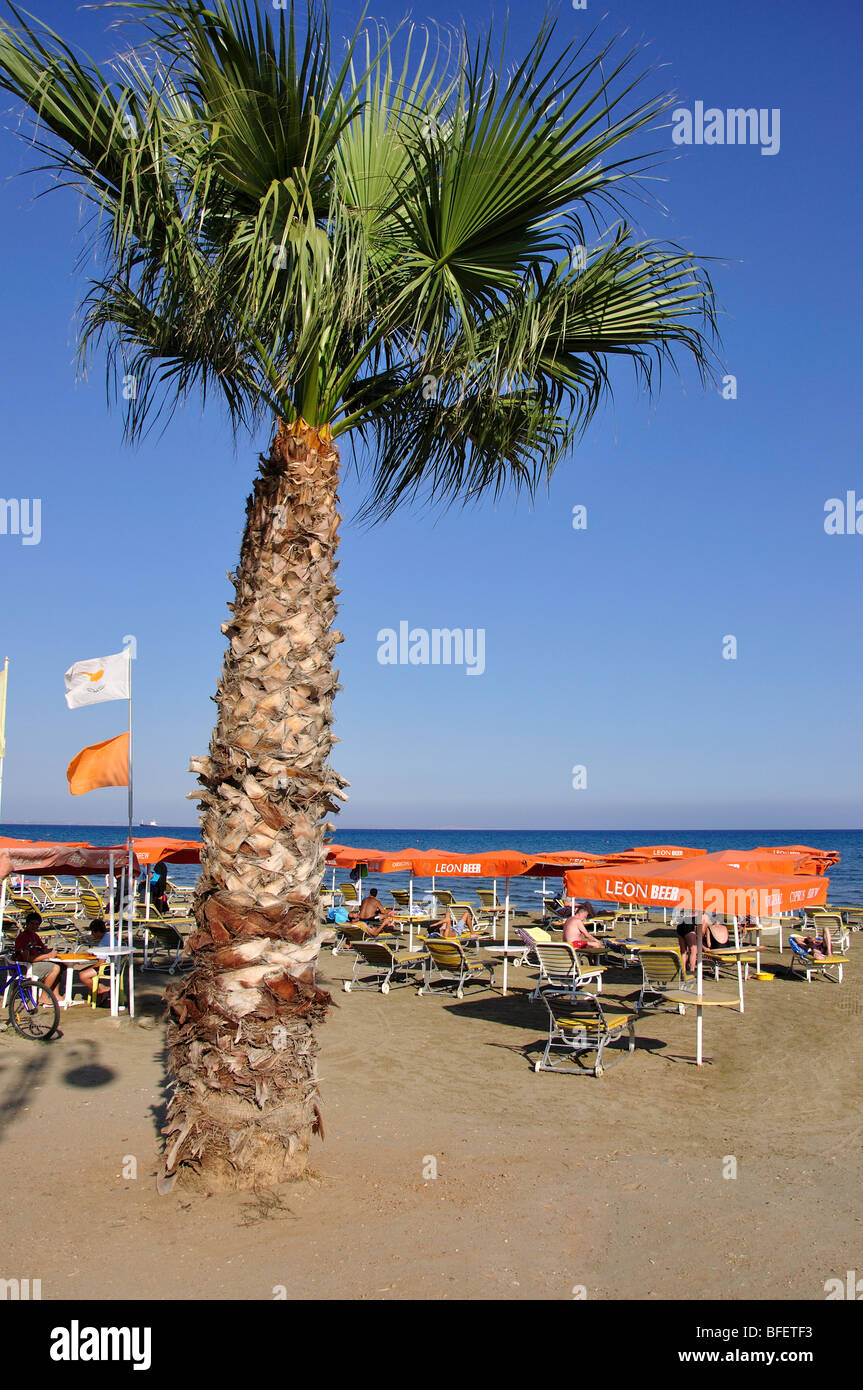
(846, 877)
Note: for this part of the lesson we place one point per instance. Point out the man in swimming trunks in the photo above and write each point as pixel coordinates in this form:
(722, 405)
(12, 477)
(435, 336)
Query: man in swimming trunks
(575, 932)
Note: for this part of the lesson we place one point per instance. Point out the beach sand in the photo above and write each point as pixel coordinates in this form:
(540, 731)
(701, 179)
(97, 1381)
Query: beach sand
(547, 1185)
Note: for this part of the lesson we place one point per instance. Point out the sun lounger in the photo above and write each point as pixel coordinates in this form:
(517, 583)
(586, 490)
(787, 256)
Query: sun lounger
(818, 920)
(531, 936)
(563, 970)
(851, 914)
(661, 970)
(811, 964)
(19, 904)
(348, 934)
(389, 965)
(446, 960)
(167, 940)
(581, 1025)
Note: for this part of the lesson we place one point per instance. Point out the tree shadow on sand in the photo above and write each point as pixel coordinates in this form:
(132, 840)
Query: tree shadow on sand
(21, 1073)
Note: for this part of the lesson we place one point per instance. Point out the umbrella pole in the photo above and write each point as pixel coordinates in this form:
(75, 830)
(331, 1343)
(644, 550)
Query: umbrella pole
(2, 910)
(111, 900)
(411, 910)
(699, 1012)
(505, 935)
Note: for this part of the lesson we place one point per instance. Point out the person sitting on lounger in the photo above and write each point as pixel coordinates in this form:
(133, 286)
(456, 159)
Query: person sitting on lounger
(377, 919)
(371, 907)
(575, 932)
(820, 947)
(447, 927)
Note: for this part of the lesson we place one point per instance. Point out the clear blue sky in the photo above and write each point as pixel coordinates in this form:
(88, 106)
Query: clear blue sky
(603, 647)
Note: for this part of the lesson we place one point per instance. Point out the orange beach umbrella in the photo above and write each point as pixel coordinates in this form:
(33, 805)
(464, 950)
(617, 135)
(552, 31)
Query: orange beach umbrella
(699, 884)
(151, 851)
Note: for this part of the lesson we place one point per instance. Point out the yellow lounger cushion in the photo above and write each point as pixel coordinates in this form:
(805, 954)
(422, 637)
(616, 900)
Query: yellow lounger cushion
(591, 1023)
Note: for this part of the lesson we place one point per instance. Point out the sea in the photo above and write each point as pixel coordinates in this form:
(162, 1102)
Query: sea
(846, 877)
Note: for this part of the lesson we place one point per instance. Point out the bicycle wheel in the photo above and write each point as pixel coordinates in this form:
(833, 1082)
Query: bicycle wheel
(33, 1009)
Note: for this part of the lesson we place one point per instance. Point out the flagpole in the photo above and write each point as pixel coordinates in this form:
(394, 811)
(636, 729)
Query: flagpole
(130, 976)
(130, 885)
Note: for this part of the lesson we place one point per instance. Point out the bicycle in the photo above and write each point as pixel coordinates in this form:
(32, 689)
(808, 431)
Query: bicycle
(33, 1010)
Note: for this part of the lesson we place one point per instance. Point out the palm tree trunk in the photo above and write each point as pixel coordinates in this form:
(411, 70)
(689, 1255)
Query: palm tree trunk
(240, 1031)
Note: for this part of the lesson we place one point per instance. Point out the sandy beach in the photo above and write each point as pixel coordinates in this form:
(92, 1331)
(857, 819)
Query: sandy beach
(547, 1187)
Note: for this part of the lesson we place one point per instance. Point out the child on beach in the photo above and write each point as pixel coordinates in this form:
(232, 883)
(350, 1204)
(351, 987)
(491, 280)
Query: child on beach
(575, 932)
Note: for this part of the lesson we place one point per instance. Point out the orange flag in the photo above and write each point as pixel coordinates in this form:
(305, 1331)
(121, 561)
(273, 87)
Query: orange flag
(101, 765)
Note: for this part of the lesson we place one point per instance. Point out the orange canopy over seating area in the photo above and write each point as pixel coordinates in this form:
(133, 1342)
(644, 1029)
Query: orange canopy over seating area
(61, 859)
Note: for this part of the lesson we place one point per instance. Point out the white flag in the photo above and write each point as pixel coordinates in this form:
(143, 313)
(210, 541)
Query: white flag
(104, 678)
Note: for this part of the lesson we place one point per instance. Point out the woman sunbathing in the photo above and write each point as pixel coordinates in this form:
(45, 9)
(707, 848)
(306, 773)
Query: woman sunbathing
(820, 947)
(446, 927)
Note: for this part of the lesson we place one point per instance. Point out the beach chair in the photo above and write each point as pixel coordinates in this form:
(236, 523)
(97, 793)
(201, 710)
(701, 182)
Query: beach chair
(562, 970)
(402, 898)
(629, 919)
(444, 898)
(19, 904)
(487, 897)
(530, 936)
(121, 966)
(349, 933)
(89, 903)
(762, 930)
(84, 884)
(349, 893)
(811, 964)
(168, 941)
(581, 1025)
(815, 922)
(389, 964)
(179, 895)
(447, 960)
(478, 925)
(851, 915)
(661, 970)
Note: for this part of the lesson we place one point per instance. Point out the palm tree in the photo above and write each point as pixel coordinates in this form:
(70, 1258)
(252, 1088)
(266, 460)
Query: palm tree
(395, 245)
